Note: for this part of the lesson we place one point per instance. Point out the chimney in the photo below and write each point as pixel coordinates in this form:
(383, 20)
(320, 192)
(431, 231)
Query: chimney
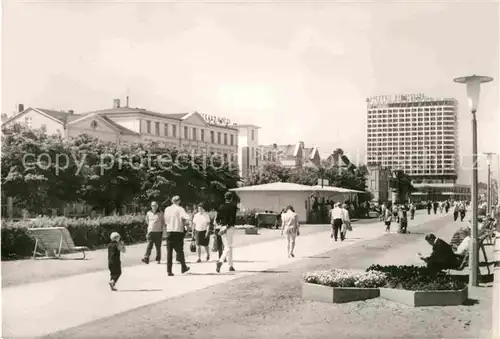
(70, 111)
(127, 102)
(20, 108)
(301, 144)
(275, 146)
(116, 103)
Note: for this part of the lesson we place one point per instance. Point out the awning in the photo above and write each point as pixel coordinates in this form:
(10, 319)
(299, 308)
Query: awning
(418, 193)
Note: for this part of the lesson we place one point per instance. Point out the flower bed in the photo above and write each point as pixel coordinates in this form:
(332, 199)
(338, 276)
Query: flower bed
(339, 286)
(418, 286)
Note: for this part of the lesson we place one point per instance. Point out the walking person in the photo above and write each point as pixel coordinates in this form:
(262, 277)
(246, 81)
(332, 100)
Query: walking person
(346, 222)
(226, 219)
(388, 220)
(456, 209)
(462, 211)
(290, 225)
(412, 210)
(441, 207)
(154, 236)
(447, 206)
(336, 220)
(201, 234)
(115, 247)
(175, 217)
(435, 205)
(429, 207)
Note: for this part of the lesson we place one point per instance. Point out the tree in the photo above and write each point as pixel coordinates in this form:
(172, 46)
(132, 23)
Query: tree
(401, 183)
(268, 174)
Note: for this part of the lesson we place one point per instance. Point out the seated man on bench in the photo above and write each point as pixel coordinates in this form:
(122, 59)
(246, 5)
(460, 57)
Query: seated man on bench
(442, 256)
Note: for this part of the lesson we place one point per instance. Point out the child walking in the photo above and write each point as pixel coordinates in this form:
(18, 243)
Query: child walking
(114, 263)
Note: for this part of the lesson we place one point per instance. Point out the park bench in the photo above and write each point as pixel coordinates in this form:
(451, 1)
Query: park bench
(267, 219)
(55, 241)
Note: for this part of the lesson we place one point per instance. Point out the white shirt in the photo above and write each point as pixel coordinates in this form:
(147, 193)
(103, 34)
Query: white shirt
(463, 248)
(339, 213)
(201, 221)
(174, 218)
(290, 219)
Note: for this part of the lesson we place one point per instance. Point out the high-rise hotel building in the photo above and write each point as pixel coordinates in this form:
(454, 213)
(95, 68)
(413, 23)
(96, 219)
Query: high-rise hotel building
(415, 134)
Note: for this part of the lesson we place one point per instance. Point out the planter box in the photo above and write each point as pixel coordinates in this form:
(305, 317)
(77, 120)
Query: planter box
(329, 294)
(425, 298)
(253, 230)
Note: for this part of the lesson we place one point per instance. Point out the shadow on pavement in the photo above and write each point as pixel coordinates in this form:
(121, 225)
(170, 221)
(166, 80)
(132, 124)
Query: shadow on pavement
(210, 273)
(471, 302)
(263, 271)
(316, 257)
(142, 290)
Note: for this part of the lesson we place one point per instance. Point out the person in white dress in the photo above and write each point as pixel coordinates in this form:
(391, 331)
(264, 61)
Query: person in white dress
(290, 226)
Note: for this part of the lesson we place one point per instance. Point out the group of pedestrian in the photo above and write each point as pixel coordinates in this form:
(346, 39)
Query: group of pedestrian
(173, 223)
(397, 213)
(340, 221)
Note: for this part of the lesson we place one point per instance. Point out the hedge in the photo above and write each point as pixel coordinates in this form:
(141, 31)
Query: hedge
(91, 232)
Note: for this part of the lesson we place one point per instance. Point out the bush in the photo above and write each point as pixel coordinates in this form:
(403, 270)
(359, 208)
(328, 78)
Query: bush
(417, 278)
(344, 278)
(246, 218)
(90, 232)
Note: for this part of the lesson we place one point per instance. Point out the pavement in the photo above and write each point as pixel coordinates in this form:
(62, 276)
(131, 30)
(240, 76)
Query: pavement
(67, 302)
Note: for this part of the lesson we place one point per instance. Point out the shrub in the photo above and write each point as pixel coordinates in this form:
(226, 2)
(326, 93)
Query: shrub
(418, 278)
(246, 218)
(343, 278)
(90, 232)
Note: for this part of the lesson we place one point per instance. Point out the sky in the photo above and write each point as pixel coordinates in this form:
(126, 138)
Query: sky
(300, 71)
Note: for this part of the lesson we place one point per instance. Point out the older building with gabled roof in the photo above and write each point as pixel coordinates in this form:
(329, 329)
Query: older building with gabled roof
(291, 155)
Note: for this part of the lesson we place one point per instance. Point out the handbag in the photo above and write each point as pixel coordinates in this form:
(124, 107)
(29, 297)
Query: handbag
(215, 245)
(348, 226)
(192, 247)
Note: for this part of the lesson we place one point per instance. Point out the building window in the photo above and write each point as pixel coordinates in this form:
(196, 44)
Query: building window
(165, 130)
(194, 134)
(212, 137)
(174, 131)
(218, 137)
(28, 121)
(148, 127)
(157, 128)
(253, 134)
(186, 133)
(232, 140)
(202, 136)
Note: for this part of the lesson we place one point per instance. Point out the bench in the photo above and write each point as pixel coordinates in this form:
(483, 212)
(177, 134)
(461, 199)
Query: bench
(267, 219)
(55, 241)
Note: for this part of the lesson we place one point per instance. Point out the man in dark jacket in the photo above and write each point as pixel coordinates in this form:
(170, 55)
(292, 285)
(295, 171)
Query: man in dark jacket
(442, 256)
(429, 207)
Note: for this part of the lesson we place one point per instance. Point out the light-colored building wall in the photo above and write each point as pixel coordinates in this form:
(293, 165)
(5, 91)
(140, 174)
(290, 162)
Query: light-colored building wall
(248, 157)
(34, 119)
(275, 201)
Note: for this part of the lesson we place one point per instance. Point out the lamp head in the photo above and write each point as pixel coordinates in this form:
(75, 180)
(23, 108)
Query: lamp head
(473, 83)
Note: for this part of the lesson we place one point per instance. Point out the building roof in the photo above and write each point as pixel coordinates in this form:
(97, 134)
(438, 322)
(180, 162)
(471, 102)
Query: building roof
(59, 115)
(291, 187)
(276, 187)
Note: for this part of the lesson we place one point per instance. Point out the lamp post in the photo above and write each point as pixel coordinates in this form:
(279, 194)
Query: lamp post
(473, 84)
(488, 197)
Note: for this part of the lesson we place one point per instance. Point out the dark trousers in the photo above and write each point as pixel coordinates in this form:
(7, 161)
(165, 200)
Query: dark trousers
(412, 214)
(446, 209)
(220, 245)
(455, 216)
(154, 238)
(428, 211)
(115, 271)
(337, 226)
(462, 215)
(177, 258)
(175, 241)
(435, 210)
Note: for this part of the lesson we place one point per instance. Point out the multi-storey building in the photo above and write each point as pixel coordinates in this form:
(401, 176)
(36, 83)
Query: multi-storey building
(248, 143)
(188, 131)
(293, 156)
(414, 133)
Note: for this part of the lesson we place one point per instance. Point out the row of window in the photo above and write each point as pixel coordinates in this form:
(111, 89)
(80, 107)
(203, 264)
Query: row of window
(196, 134)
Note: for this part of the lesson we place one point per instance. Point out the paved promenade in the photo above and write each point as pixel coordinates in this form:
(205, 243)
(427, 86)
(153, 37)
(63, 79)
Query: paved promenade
(42, 308)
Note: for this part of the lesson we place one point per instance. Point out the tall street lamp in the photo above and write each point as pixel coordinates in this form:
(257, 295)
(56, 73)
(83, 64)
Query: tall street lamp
(473, 83)
(488, 197)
